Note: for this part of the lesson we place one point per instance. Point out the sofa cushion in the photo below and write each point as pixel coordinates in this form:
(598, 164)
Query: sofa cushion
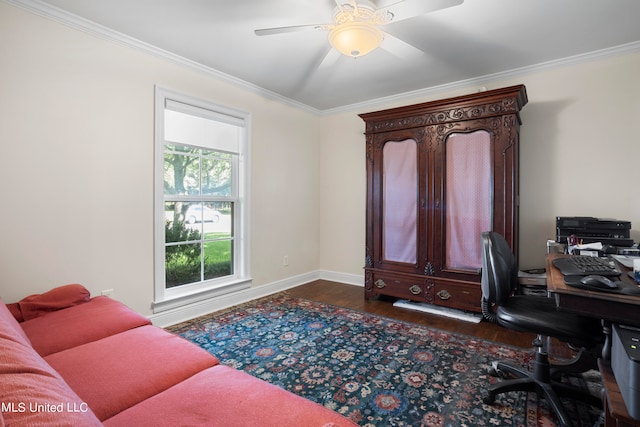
(31, 392)
(223, 396)
(117, 372)
(56, 299)
(80, 324)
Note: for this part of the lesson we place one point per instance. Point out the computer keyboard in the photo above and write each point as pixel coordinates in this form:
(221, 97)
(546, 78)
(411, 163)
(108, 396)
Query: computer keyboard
(582, 265)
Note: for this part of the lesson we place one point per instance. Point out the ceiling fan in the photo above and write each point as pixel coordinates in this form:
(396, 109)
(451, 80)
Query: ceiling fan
(355, 30)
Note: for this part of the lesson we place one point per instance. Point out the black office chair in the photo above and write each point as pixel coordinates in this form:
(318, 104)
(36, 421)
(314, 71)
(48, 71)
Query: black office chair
(538, 315)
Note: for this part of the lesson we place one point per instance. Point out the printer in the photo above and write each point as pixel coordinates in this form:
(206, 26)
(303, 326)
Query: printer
(590, 230)
(625, 364)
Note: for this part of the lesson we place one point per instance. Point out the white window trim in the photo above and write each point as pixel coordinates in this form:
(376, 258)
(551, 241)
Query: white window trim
(167, 299)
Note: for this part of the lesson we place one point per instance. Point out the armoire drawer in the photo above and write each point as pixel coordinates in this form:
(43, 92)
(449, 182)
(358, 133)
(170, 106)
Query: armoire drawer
(458, 295)
(399, 286)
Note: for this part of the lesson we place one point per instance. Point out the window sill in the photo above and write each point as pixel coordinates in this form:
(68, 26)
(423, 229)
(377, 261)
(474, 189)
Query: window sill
(177, 301)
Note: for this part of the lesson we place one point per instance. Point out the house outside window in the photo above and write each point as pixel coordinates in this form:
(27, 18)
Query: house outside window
(201, 200)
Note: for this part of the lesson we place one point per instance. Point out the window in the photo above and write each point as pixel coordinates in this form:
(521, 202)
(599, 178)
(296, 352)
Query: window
(201, 200)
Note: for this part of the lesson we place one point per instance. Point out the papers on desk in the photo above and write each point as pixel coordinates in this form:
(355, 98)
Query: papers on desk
(590, 249)
(626, 260)
(597, 246)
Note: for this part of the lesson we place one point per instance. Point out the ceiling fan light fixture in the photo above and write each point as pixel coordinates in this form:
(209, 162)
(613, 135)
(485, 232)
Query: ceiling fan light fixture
(355, 38)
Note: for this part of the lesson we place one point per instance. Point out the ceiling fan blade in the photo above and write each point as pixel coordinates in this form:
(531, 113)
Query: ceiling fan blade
(406, 9)
(290, 29)
(400, 48)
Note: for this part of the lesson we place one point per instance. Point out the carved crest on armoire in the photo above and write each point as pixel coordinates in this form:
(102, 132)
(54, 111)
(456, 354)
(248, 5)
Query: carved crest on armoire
(438, 174)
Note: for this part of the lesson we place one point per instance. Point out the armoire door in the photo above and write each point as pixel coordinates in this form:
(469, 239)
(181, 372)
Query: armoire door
(467, 208)
(396, 202)
(476, 191)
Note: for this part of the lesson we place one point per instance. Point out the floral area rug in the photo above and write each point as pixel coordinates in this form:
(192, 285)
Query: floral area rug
(375, 370)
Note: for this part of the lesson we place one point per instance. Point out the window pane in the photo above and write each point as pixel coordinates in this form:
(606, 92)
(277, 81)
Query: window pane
(218, 245)
(218, 220)
(177, 228)
(198, 213)
(216, 174)
(181, 173)
(217, 259)
(180, 148)
(182, 264)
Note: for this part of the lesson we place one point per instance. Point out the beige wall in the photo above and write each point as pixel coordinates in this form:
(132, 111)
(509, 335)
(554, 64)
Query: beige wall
(76, 162)
(579, 156)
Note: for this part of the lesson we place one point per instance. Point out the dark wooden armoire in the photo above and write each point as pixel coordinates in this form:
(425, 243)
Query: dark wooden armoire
(438, 174)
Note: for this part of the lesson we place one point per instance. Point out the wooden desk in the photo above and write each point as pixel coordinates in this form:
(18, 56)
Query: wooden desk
(610, 308)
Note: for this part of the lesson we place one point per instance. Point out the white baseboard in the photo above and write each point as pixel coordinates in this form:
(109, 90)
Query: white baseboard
(350, 279)
(200, 308)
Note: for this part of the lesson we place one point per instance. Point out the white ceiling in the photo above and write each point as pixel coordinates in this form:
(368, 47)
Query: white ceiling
(470, 43)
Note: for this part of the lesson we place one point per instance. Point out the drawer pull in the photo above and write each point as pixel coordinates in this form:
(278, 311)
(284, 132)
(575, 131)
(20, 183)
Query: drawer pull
(415, 290)
(444, 295)
(380, 284)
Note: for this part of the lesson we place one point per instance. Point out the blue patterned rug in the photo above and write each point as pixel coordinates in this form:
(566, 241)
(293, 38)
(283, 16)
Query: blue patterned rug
(375, 370)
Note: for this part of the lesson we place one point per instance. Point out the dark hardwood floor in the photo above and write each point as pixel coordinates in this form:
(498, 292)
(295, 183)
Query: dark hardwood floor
(351, 296)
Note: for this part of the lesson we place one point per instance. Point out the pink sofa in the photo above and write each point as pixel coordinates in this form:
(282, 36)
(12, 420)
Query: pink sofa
(70, 360)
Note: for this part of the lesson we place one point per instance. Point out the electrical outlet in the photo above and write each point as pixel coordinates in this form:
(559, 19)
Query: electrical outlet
(107, 293)
(285, 260)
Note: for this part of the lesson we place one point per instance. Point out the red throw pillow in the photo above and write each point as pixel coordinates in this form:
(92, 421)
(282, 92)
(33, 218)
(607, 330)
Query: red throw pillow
(56, 299)
(14, 309)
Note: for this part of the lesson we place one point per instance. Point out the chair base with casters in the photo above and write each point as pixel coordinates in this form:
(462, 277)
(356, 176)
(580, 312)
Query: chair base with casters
(538, 315)
(585, 360)
(541, 381)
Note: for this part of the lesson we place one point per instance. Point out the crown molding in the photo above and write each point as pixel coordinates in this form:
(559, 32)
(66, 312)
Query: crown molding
(73, 21)
(480, 81)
